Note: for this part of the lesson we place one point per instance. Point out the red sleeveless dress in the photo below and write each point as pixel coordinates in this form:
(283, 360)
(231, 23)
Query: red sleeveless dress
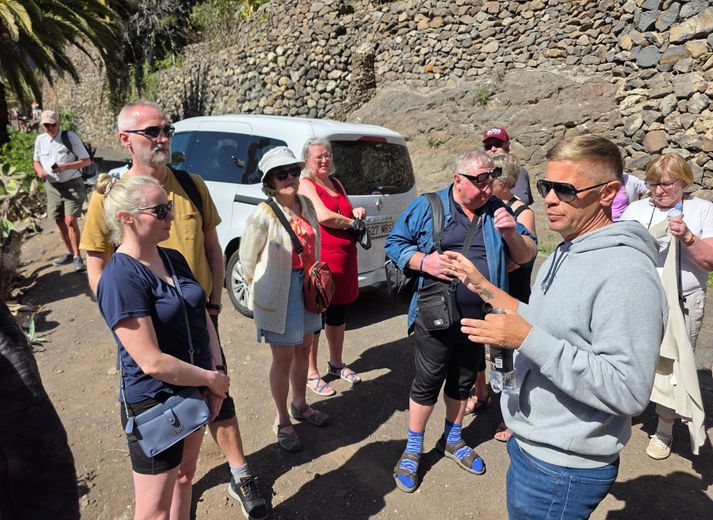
(339, 247)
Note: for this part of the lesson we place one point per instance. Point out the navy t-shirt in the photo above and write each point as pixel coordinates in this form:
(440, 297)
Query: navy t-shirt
(128, 288)
(454, 234)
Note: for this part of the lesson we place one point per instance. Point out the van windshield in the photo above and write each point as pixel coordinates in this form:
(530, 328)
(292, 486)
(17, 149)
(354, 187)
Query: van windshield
(366, 167)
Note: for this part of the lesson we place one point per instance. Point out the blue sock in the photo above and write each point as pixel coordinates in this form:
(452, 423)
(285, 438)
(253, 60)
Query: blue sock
(239, 472)
(451, 433)
(414, 445)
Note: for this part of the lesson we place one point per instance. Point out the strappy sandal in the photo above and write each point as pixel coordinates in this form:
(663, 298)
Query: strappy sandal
(316, 418)
(398, 470)
(466, 463)
(343, 372)
(320, 387)
(286, 440)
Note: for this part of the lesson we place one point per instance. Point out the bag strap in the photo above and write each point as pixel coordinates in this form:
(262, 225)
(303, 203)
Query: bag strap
(67, 142)
(189, 186)
(438, 218)
(286, 224)
(438, 222)
(191, 351)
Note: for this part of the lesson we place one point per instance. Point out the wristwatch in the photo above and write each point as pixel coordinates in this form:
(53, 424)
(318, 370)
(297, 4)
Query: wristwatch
(214, 306)
(689, 241)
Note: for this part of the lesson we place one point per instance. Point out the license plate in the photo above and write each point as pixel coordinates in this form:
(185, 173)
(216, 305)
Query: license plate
(379, 228)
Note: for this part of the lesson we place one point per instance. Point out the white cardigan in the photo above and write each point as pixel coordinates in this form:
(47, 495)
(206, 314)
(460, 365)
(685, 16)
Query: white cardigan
(266, 257)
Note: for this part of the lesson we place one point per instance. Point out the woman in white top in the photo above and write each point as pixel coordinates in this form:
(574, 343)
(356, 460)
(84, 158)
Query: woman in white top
(275, 274)
(667, 178)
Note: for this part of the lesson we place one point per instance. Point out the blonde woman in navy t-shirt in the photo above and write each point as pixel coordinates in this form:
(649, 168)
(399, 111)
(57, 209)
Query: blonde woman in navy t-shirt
(138, 300)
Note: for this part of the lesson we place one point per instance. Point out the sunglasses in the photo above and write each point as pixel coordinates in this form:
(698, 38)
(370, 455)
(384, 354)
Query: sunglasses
(49, 125)
(490, 146)
(160, 210)
(154, 131)
(564, 191)
(484, 178)
(665, 185)
(283, 173)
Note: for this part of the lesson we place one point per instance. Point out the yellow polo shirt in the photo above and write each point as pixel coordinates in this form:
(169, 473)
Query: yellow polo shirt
(187, 229)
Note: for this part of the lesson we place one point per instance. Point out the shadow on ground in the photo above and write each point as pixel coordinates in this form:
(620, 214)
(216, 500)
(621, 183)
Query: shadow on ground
(357, 487)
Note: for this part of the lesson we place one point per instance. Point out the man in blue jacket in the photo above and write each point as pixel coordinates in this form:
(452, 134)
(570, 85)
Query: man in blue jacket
(587, 343)
(446, 355)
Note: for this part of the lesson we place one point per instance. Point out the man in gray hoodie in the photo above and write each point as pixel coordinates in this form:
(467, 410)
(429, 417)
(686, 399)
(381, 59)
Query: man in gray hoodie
(587, 343)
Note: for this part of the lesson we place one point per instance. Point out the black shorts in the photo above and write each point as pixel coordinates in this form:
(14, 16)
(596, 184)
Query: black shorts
(444, 355)
(335, 315)
(140, 463)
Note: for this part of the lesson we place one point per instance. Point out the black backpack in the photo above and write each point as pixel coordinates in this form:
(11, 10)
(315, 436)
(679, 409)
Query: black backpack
(88, 171)
(402, 284)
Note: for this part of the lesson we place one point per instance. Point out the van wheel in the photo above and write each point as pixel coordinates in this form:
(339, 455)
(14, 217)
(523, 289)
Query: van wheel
(237, 285)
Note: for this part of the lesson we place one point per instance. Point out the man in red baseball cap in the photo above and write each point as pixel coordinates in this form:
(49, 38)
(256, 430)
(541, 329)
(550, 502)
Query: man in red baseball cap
(496, 140)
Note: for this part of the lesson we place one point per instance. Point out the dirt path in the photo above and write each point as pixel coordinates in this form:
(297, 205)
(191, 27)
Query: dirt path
(344, 470)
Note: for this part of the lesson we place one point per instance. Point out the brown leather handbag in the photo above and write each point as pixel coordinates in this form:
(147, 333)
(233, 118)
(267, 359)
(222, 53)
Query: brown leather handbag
(318, 288)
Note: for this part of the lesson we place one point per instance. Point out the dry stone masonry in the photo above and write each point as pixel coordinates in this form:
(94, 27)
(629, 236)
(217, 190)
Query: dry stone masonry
(328, 58)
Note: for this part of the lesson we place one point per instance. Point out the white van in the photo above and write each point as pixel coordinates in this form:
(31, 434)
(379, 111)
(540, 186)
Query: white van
(371, 161)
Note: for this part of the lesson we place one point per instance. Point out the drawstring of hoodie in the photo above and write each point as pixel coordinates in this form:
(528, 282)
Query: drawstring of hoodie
(555, 265)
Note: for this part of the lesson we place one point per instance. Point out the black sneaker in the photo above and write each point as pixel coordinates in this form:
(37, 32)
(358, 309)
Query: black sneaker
(64, 259)
(246, 491)
(79, 264)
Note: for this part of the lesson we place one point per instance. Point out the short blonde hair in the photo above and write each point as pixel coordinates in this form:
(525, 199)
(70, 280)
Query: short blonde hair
(315, 141)
(510, 169)
(126, 194)
(601, 157)
(673, 164)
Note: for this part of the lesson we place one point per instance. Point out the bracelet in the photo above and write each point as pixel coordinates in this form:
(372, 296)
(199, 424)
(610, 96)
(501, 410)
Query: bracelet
(420, 266)
(221, 368)
(214, 306)
(688, 242)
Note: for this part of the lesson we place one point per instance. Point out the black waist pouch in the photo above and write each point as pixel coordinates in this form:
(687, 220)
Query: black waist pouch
(438, 305)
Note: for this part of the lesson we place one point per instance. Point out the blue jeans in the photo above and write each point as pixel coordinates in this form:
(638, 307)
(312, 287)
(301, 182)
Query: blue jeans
(539, 490)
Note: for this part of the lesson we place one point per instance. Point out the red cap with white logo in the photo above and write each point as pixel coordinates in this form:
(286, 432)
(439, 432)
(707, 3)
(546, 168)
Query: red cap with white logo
(496, 133)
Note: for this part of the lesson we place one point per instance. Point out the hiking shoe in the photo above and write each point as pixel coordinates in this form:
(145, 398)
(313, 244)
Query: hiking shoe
(64, 259)
(79, 264)
(659, 447)
(246, 491)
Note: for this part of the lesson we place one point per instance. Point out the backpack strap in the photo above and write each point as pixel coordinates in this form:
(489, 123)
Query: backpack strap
(438, 218)
(189, 186)
(66, 141)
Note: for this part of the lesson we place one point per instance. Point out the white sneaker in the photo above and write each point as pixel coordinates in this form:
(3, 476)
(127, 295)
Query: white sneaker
(659, 447)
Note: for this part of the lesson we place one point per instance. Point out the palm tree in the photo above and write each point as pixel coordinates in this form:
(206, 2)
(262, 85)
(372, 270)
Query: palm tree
(35, 37)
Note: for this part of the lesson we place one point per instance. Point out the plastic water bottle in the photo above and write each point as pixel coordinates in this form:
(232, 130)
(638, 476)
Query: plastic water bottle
(676, 213)
(502, 373)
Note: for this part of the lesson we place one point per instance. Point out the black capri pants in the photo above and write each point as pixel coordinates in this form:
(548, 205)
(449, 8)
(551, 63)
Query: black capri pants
(444, 355)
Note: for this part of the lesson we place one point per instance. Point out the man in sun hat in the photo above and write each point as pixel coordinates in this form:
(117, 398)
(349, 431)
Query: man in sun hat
(60, 168)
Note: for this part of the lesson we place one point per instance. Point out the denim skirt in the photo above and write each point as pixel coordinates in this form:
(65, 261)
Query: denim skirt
(299, 320)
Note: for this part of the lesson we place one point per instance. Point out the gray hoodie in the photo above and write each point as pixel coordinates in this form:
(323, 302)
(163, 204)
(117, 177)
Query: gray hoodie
(598, 314)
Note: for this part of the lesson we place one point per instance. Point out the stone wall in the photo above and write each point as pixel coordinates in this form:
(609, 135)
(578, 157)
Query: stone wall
(328, 58)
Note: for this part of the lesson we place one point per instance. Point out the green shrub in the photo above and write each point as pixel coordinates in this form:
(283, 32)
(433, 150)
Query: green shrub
(433, 142)
(218, 18)
(483, 95)
(20, 197)
(19, 150)
(68, 120)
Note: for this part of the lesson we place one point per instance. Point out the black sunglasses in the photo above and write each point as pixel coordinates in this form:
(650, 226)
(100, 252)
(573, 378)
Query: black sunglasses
(154, 131)
(490, 146)
(160, 210)
(49, 125)
(283, 173)
(564, 191)
(484, 178)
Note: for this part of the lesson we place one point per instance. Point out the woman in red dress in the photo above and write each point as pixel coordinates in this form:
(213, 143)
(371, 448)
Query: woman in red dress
(336, 218)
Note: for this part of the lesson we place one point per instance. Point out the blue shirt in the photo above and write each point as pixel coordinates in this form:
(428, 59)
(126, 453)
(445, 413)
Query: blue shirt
(413, 232)
(129, 289)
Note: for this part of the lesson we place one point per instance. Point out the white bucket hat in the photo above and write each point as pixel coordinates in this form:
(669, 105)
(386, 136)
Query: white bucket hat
(278, 156)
